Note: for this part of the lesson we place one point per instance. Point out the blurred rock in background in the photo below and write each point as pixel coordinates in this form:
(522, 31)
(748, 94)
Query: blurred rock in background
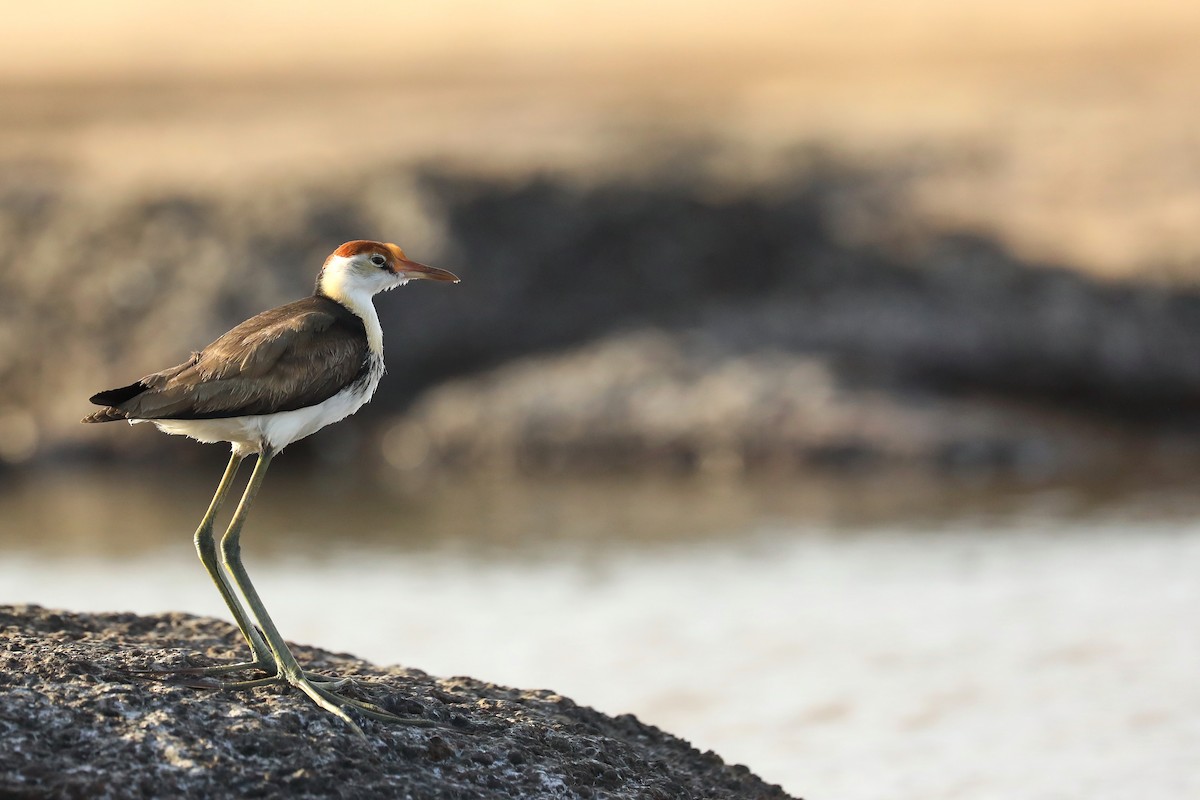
(683, 324)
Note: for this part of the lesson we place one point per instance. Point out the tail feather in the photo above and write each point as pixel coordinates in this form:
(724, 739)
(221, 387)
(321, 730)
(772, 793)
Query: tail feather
(105, 415)
(111, 399)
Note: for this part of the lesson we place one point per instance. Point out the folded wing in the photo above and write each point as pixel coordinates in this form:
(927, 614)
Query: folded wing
(290, 357)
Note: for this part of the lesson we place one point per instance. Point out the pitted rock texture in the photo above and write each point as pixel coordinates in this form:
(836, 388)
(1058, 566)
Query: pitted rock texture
(75, 722)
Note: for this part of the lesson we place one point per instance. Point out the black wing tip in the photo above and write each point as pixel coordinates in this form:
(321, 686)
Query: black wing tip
(111, 399)
(115, 397)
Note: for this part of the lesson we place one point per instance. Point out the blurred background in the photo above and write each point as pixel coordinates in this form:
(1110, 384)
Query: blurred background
(822, 386)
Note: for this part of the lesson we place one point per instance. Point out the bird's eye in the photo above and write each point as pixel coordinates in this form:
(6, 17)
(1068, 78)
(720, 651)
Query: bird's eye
(378, 261)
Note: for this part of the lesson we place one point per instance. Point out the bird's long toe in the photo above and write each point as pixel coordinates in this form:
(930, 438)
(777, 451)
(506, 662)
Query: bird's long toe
(208, 671)
(321, 689)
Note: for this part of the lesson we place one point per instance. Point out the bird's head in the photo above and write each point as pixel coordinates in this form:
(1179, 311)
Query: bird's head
(362, 268)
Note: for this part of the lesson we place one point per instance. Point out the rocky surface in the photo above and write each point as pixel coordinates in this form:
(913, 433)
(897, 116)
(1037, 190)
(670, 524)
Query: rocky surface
(74, 723)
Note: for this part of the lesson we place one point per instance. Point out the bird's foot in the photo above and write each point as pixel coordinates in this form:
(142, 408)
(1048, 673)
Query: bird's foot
(209, 671)
(322, 690)
(268, 668)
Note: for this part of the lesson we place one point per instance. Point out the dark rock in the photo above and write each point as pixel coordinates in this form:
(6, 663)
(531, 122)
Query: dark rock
(75, 723)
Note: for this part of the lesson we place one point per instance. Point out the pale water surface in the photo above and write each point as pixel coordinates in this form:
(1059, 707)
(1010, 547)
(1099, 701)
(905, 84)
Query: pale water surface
(843, 641)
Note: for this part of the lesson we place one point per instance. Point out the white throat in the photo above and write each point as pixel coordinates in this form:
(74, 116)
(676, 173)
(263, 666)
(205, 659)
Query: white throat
(338, 285)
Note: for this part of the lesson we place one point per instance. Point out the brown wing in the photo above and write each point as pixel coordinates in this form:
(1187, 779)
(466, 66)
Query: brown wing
(290, 357)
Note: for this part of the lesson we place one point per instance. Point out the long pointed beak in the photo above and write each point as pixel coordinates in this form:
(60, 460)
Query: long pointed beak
(416, 271)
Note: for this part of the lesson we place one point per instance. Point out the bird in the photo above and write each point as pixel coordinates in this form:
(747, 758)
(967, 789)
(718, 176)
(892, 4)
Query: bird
(272, 380)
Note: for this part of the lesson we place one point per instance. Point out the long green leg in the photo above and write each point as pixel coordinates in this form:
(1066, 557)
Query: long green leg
(289, 670)
(206, 547)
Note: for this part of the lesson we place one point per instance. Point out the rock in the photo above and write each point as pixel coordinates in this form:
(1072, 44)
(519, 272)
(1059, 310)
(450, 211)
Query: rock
(74, 723)
(690, 403)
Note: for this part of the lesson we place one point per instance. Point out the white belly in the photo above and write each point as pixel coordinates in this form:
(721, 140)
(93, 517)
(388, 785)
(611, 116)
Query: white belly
(249, 434)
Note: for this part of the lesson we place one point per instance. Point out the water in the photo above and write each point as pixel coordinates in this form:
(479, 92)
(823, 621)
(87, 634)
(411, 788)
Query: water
(845, 639)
